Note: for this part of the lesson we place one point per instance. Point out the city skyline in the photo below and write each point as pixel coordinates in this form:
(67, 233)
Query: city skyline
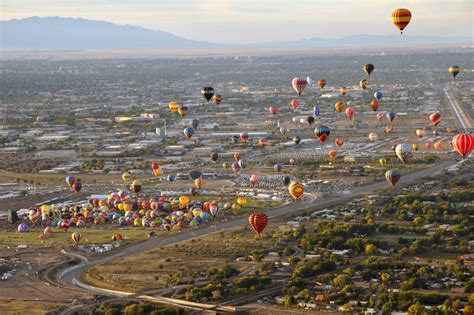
(236, 22)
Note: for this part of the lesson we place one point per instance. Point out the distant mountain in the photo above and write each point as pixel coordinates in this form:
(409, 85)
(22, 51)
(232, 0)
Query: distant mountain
(58, 33)
(75, 33)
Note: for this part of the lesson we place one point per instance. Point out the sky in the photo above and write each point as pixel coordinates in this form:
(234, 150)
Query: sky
(256, 21)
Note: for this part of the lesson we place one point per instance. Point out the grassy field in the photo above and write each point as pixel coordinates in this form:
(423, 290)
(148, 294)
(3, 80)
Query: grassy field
(16, 307)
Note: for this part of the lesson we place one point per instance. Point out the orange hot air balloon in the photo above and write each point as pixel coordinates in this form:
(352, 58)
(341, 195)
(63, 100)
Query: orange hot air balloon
(322, 83)
(217, 99)
(339, 142)
(254, 179)
(388, 129)
(401, 18)
(438, 145)
(344, 90)
(463, 143)
(174, 106)
(332, 154)
(448, 130)
(340, 106)
(294, 103)
(350, 112)
(258, 222)
(296, 190)
(420, 132)
(374, 105)
(199, 182)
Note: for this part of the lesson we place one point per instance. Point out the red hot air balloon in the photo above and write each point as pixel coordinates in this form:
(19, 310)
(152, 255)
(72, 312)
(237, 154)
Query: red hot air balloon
(155, 166)
(294, 103)
(463, 143)
(350, 112)
(435, 119)
(258, 222)
(299, 84)
(254, 179)
(392, 177)
(273, 110)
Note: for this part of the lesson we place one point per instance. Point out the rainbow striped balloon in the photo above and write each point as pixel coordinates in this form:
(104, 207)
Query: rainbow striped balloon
(401, 18)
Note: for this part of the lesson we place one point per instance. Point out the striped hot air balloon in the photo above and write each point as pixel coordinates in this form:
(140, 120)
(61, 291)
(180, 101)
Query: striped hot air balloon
(322, 83)
(463, 143)
(454, 70)
(401, 18)
(392, 177)
(340, 106)
(299, 84)
(76, 237)
(258, 222)
(296, 190)
(435, 119)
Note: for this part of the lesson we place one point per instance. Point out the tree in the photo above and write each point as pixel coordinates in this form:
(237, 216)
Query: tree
(288, 300)
(133, 309)
(468, 310)
(416, 309)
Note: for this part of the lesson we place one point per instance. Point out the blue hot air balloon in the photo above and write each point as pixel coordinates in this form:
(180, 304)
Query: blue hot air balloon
(378, 95)
(317, 111)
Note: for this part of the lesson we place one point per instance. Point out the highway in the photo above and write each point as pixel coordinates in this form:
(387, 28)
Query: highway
(70, 276)
(462, 119)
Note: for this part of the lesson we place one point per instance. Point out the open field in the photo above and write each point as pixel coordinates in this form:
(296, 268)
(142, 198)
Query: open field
(20, 307)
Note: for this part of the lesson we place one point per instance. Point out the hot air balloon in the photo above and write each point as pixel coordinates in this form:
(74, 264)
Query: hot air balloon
(126, 177)
(263, 142)
(193, 191)
(76, 237)
(237, 156)
(283, 130)
(294, 103)
(296, 140)
(310, 120)
(244, 136)
(174, 106)
(463, 143)
(401, 18)
(369, 68)
(171, 178)
(258, 222)
(286, 180)
(428, 145)
(316, 111)
(214, 156)
(236, 167)
(155, 166)
(322, 83)
(437, 145)
(454, 70)
(225, 165)
(311, 81)
(420, 132)
(364, 84)
(340, 106)
(136, 186)
(390, 116)
(344, 90)
(350, 112)
(374, 105)
(414, 146)
(380, 116)
(292, 162)
(299, 84)
(242, 164)
(23, 228)
(273, 110)
(254, 179)
(77, 186)
(199, 182)
(296, 190)
(70, 180)
(382, 162)
(117, 237)
(183, 111)
(339, 142)
(373, 136)
(448, 130)
(378, 95)
(194, 123)
(207, 92)
(392, 177)
(217, 99)
(189, 132)
(435, 119)
(332, 154)
(278, 167)
(322, 133)
(195, 174)
(403, 152)
(241, 201)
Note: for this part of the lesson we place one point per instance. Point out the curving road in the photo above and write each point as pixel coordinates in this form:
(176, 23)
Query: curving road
(70, 276)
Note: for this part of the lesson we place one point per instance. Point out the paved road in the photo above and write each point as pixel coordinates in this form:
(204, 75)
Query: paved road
(70, 276)
(462, 119)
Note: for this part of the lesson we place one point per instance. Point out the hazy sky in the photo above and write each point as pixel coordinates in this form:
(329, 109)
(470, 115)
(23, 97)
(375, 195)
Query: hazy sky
(247, 21)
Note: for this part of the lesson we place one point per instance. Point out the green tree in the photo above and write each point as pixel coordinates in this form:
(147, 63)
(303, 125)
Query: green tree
(370, 249)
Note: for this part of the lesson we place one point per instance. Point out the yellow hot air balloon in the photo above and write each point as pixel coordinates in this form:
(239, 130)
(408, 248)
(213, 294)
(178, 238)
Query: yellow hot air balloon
(183, 111)
(174, 106)
(383, 162)
(241, 201)
(296, 190)
(126, 177)
(199, 182)
(401, 18)
(415, 146)
(420, 132)
(184, 200)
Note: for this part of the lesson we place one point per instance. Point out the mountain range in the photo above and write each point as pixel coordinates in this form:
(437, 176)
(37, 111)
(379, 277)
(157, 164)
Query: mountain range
(59, 33)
